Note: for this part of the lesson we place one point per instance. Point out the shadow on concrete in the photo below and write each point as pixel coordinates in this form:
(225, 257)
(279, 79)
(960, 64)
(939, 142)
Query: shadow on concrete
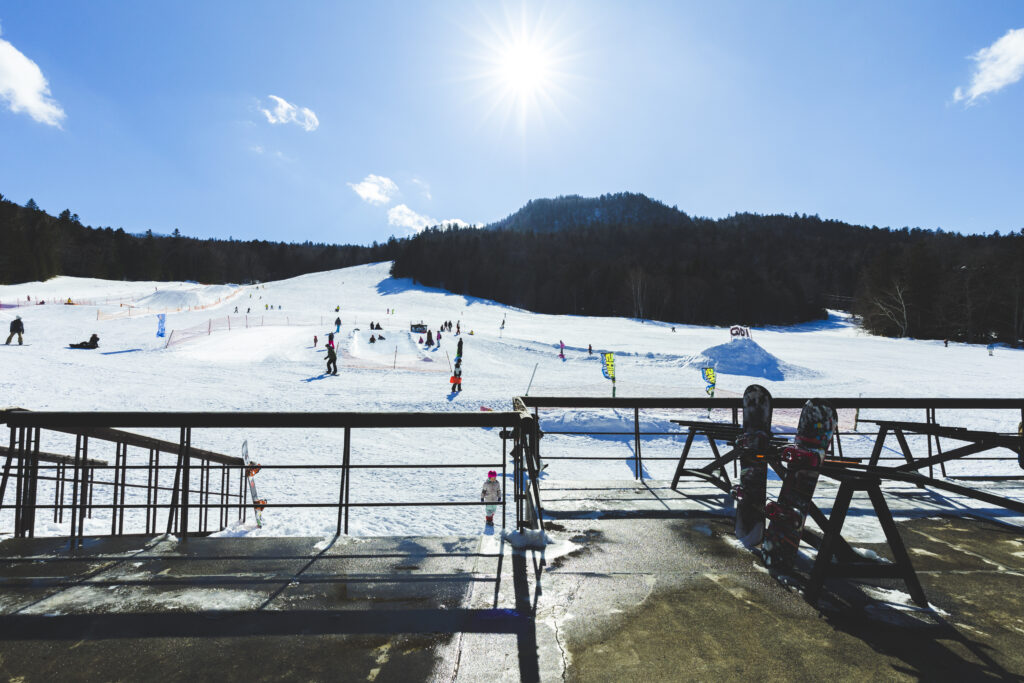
(393, 588)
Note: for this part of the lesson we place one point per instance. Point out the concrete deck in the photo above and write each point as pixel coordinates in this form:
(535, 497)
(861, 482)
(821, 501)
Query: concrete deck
(655, 589)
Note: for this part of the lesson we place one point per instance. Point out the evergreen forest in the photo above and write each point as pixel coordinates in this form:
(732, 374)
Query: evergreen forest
(615, 255)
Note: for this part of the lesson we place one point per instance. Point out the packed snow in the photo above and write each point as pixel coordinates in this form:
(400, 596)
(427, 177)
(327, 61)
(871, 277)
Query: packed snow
(277, 367)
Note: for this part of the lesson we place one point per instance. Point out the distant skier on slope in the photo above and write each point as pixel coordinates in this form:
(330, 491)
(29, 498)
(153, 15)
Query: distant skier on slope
(337, 324)
(458, 351)
(456, 381)
(332, 356)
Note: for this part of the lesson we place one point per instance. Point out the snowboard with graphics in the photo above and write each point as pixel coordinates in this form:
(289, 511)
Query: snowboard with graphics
(250, 473)
(803, 462)
(753, 445)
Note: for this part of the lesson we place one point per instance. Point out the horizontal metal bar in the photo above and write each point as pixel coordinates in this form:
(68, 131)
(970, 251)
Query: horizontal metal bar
(335, 505)
(383, 466)
(66, 420)
(777, 402)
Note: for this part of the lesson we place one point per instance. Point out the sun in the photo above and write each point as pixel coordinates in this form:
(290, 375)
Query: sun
(521, 67)
(525, 69)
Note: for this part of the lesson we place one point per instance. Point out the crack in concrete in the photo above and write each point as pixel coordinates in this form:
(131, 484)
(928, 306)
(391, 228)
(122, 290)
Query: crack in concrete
(570, 598)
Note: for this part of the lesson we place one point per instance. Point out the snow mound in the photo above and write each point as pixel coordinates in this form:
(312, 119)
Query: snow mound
(186, 298)
(746, 357)
(396, 347)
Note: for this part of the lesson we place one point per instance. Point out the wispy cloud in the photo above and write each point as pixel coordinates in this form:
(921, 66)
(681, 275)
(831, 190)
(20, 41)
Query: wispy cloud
(403, 217)
(424, 187)
(24, 88)
(998, 65)
(286, 112)
(375, 189)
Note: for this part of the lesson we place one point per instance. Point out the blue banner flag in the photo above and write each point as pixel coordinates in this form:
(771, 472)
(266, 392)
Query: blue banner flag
(160, 321)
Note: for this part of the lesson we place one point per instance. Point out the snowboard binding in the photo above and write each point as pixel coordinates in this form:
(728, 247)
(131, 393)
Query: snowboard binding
(800, 457)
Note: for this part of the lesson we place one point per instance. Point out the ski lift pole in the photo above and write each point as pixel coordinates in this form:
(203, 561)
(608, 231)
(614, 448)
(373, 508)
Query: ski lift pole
(531, 379)
(613, 388)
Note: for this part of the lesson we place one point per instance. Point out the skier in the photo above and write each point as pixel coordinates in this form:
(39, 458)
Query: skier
(430, 338)
(457, 376)
(458, 327)
(590, 350)
(236, 309)
(458, 352)
(332, 358)
(491, 495)
(17, 328)
(439, 337)
(561, 352)
(372, 339)
(314, 341)
(337, 324)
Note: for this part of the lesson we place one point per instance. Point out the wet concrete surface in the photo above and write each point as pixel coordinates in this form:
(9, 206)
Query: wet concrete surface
(654, 587)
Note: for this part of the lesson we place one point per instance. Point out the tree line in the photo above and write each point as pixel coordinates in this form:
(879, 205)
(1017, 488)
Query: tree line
(38, 246)
(628, 255)
(615, 255)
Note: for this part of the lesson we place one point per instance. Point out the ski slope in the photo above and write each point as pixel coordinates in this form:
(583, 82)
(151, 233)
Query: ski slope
(277, 368)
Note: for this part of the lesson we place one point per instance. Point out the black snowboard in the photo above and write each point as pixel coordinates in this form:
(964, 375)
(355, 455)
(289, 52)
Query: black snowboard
(753, 447)
(803, 462)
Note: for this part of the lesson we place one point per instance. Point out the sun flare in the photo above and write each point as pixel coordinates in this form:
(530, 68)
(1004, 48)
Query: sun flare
(520, 67)
(524, 68)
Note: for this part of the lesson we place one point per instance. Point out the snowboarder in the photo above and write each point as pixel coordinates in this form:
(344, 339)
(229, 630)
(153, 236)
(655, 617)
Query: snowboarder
(332, 358)
(337, 324)
(236, 309)
(373, 340)
(491, 495)
(457, 376)
(93, 343)
(458, 352)
(17, 328)
(430, 338)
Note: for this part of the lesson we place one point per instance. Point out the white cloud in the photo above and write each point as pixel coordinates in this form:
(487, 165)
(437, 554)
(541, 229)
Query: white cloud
(24, 88)
(404, 217)
(424, 187)
(375, 189)
(998, 65)
(286, 112)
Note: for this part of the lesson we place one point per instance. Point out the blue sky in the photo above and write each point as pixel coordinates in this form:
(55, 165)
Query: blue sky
(350, 122)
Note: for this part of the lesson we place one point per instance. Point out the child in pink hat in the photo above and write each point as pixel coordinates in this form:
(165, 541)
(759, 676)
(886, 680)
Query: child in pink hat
(491, 495)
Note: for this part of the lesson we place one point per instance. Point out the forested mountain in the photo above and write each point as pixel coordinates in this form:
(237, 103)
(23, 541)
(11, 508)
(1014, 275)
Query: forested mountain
(628, 255)
(622, 255)
(37, 246)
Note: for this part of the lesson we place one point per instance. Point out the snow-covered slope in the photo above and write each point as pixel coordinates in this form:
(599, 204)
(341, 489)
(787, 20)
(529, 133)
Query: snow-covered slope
(277, 368)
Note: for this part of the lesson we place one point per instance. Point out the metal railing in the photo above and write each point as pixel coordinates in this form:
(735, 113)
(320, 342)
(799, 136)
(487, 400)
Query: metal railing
(733, 407)
(188, 506)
